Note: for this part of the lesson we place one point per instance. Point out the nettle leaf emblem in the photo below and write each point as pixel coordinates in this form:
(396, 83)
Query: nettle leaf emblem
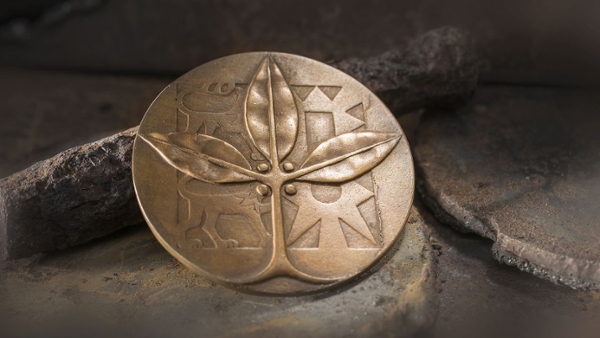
(271, 118)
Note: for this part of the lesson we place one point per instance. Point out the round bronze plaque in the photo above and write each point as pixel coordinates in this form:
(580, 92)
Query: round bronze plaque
(273, 173)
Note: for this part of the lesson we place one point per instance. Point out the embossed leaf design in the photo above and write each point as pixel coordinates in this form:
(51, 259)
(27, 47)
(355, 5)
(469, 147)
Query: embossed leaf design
(201, 156)
(271, 121)
(347, 156)
(271, 113)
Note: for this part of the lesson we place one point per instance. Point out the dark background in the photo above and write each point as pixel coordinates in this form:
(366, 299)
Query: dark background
(530, 42)
(90, 43)
(73, 71)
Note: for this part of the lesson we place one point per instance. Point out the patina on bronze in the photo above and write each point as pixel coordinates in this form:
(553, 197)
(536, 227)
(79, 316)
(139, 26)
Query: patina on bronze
(273, 173)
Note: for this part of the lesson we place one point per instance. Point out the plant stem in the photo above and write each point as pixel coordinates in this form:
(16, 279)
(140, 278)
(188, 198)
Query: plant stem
(279, 247)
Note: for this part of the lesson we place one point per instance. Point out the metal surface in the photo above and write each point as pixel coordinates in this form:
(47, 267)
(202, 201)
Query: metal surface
(273, 173)
(127, 285)
(427, 74)
(76, 292)
(521, 166)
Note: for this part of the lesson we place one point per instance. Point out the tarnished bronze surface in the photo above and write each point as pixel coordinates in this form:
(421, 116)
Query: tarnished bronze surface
(436, 71)
(273, 173)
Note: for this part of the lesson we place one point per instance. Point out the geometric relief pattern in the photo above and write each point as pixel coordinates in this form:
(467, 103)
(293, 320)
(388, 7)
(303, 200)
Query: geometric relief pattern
(250, 152)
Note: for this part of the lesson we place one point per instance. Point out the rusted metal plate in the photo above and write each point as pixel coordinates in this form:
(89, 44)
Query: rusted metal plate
(127, 284)
(521, 166)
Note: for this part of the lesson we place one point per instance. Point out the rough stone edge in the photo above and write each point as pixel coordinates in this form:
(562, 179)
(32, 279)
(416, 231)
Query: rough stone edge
(443, 55)
(450, 213)
(505, 249)
(513, 252)
(38, 172)
(3, 228)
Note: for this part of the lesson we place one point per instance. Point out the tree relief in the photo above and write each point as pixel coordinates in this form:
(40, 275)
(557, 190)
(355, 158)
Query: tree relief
(271, 127)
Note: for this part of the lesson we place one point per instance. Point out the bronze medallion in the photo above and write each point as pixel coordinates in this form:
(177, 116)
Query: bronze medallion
(273, 173)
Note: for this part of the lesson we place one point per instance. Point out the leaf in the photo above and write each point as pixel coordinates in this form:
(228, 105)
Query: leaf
(284, 111)
(271, 111)
(201, 156)
(257, 109)
(347, 156)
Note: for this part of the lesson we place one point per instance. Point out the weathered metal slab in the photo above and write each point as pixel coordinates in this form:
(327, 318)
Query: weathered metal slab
(127, 284)
(521, 166)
